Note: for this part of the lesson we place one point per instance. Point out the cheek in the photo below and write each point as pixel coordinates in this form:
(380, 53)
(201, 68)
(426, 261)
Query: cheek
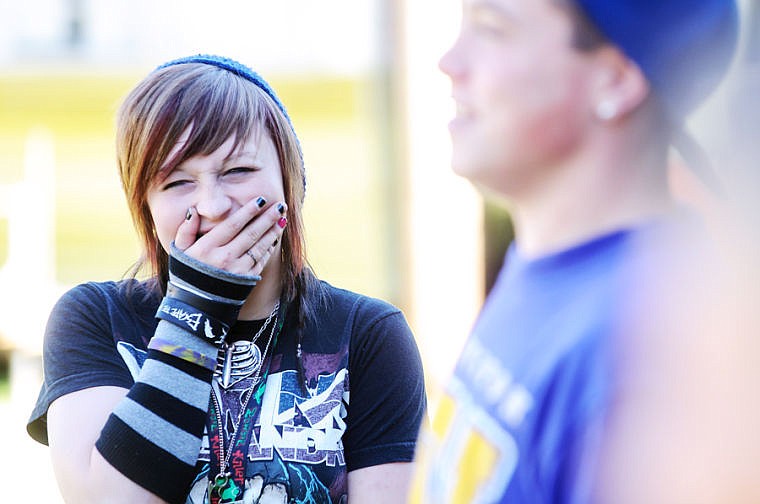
(275, 182)
(552, 112)
(516, 99)
(268, 185)
(528, 82)
(568, 114)
(166, 220)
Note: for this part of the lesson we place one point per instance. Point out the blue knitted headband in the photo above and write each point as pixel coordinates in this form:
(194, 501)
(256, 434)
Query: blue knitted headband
(243, 71)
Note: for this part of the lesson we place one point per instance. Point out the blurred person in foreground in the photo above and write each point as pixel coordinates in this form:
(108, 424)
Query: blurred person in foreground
(232, 374)
(567, 110)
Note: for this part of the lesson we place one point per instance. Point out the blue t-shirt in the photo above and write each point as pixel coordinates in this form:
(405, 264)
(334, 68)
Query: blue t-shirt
(519, 420)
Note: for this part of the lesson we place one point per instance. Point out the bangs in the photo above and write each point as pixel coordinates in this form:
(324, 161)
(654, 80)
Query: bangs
(192, 109)
(213, 106)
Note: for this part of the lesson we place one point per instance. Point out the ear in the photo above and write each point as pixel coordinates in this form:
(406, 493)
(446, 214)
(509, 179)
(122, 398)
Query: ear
(619, 86)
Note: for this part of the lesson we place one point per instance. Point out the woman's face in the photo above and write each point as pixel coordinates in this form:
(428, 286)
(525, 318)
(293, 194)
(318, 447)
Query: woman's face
(215, 185)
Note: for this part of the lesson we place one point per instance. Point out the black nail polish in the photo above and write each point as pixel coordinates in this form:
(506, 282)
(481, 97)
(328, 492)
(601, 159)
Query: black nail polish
(189, 214)
(281, 208)
(261, 202)
(276, 241)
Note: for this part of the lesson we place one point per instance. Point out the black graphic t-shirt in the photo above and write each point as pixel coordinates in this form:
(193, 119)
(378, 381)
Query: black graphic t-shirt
(358, 403)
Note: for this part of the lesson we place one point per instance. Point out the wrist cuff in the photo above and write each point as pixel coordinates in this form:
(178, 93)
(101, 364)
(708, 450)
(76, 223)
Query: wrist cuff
(212, 283)
(227, 313)
(192, 320)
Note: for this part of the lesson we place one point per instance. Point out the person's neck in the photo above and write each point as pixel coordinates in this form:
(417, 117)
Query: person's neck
(264, 296)
(599, 191)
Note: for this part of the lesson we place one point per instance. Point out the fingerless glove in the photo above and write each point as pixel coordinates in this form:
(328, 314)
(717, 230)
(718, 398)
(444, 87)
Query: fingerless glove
(154, 435)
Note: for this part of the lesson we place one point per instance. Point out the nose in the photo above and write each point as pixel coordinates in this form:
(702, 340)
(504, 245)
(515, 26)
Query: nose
(213, 203)
(451, 62)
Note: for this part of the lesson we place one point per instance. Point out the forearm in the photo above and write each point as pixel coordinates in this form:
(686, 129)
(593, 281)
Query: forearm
(74, 423)
(147, 443)
(381, 483)
(115, 445)
(153, 435)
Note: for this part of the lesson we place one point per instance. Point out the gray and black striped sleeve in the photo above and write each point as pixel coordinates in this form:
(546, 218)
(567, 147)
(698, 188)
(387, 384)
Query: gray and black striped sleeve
(153, 436)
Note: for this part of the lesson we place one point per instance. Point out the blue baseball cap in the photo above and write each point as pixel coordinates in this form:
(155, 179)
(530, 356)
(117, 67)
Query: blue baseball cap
(683, 47)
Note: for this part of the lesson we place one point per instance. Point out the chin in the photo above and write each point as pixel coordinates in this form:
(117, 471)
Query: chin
(485, 178)
(462, 163)
(469, 166)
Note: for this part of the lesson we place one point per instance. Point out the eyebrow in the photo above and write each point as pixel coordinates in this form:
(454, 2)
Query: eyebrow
(490, 7)
(236, 156)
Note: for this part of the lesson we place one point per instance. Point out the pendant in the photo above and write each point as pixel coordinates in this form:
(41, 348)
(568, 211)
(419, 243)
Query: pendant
(236, 362)
(216, 483)
(224, 487)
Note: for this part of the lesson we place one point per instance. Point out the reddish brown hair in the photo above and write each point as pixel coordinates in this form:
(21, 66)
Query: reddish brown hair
(213, 104)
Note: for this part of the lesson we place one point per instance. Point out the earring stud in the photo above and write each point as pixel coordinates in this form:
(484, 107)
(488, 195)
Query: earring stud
(606, 110)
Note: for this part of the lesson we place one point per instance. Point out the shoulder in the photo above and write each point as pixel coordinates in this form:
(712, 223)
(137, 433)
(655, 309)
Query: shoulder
(374, 325)
(91, 299)
(105, 305)
(672, 237)
(676, 257)
(344, 300)
(342, 315)
(129, 290)
(358, 312)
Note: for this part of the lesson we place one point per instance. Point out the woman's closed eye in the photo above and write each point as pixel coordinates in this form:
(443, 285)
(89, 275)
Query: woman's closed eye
(240, 170)
(174, 183)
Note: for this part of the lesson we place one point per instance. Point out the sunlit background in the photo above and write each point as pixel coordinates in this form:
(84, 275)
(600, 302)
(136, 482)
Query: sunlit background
(384, 214)
(362, 87)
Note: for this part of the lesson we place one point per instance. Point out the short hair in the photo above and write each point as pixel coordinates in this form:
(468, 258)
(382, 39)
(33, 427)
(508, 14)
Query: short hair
(586, 36)
(213, 104)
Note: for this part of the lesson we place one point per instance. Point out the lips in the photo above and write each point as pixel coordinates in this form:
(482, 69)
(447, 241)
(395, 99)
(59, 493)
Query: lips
(464, 114)
(464, 111)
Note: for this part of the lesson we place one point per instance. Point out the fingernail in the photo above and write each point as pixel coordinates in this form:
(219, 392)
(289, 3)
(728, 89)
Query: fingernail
(282, 222)
(281, 208)
(189, 214)
(276, 241)
(261, 202)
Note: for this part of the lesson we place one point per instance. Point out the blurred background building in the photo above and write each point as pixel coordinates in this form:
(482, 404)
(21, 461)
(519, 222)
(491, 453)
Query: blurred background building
(384, 214)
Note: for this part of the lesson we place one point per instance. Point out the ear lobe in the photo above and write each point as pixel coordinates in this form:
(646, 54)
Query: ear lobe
(620, 87)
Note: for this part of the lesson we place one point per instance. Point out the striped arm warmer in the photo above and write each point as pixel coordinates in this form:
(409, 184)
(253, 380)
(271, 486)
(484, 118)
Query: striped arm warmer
(153, 436)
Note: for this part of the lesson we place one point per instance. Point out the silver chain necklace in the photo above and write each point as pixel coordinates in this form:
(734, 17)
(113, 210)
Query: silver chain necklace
(240, 359)
(222, 478)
